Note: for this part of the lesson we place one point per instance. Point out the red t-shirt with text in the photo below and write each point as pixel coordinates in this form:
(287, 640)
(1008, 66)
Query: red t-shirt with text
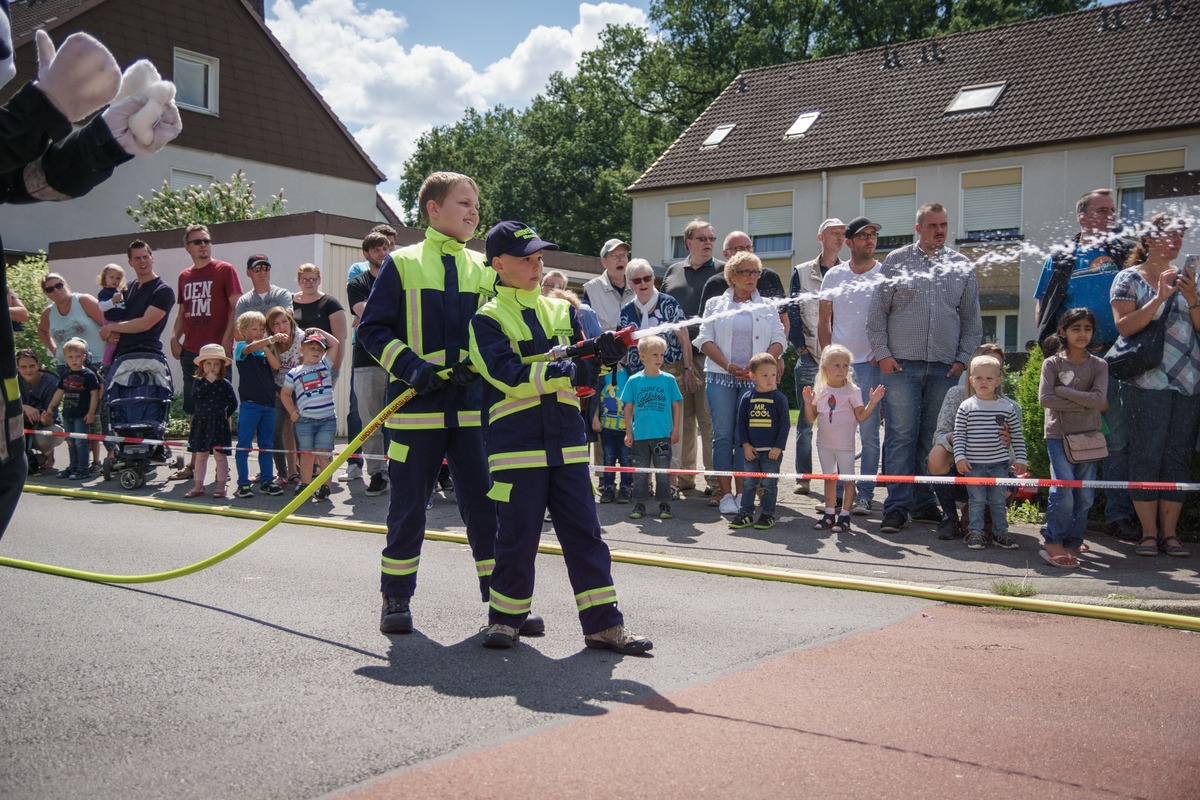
(204, 302)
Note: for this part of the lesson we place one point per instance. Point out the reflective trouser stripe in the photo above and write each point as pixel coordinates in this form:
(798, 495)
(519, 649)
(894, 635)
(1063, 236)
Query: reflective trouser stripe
(596, 597)
(485, 567)
(507, 605)
(408, 566)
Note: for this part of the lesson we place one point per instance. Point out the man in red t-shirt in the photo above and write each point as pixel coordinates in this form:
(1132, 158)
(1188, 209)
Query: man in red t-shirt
(208, 292)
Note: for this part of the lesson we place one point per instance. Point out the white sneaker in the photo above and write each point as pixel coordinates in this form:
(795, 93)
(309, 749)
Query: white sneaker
(730, 504)
(352, 472)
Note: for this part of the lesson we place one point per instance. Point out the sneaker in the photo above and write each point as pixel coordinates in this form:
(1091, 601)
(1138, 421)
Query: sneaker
(624, 495)
(764, 522)
(396, 617)
(842, 524)
(500, 637)
(638, 512)
(975, 540)
(826, 522)
(802, 487)
(377, 486)
(862, 507)
(608, 494)
(271, 488)
(282, 482)
(664, 511)
(320, 495)
(352, 472)
(1005, 541)
(532, 626)
(741, 521)
(429, 503)
(947, 529)
(243, 492)
(892, 522)
(618, 638)
(928, 514)
(676, 494)
(729, 504)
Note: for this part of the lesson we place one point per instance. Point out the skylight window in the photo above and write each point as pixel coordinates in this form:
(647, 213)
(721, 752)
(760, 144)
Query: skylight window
(976, 98)
(802, 124)
(718, 135)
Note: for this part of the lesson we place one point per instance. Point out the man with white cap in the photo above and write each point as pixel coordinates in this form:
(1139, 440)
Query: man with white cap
(806, 282)
(608, 293)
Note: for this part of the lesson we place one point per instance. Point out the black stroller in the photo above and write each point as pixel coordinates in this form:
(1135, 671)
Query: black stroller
(138, 389)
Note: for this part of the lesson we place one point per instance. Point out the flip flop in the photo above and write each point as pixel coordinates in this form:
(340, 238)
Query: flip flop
(1063, 561)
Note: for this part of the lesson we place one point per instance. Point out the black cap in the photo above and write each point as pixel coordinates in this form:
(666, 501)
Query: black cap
(512, 238)
(858, 223)
(256, 259)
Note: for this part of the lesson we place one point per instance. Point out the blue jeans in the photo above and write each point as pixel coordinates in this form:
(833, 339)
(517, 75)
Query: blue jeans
(1116, 467)
(911, 405)
(187, 363)
(770, 485)
(868, 376)
(615, 452)
(654, 453)
(805, 374)
(722, 405)
(991, 496)
(315, 434)
(79, 450)
(353, 423)
(1067, 509)
(255, 419)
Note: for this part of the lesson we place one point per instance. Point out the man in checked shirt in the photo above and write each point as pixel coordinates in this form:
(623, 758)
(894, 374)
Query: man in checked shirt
(923, 324)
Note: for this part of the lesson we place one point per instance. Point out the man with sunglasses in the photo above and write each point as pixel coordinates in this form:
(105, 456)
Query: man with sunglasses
(263, 295)
(207, 294)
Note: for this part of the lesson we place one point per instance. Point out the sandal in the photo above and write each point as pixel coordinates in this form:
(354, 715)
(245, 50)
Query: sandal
(1062, 561)
(196, 492)
(218, 492)
(1177, 549)
(181, 474)
(1148, 546)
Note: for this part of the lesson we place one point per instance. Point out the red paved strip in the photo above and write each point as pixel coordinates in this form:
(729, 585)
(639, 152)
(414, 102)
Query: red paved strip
(960, 702)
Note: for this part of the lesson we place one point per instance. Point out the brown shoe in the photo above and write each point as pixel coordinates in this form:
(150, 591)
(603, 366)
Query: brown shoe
(618, 638)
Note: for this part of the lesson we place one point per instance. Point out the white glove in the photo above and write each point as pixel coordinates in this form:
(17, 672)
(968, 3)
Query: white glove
(81, 78)
(119, 117)
(141, 78)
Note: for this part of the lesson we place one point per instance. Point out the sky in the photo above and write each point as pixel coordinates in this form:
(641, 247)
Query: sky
(393, 69)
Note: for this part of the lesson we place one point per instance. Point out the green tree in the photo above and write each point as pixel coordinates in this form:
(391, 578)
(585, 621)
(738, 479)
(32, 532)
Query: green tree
(25, 278)
(168, 208)
(1033, 415)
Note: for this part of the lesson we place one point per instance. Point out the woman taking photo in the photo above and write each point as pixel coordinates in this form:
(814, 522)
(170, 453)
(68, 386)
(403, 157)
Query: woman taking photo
(1162, 405)
(729, 342)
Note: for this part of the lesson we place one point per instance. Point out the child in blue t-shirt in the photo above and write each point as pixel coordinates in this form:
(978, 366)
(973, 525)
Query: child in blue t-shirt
(79, 391)
(762, 430)
(307, 395)
(609, 422)
(653, 408)
(256, 361)
(111, 298)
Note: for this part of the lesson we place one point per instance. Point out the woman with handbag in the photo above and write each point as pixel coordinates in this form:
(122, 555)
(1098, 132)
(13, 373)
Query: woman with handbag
(1161, 404)
(1073, 390)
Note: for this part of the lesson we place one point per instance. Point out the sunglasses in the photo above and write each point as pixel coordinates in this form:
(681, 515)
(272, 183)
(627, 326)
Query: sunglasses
(54, 287)
(643, 279)
(261, 268)
(200, 241)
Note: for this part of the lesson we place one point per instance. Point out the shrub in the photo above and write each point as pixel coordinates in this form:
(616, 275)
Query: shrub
(25, 278)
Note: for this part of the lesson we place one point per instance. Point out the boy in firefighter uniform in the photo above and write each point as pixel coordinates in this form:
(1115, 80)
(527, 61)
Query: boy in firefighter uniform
(537, 445)
(415, 325)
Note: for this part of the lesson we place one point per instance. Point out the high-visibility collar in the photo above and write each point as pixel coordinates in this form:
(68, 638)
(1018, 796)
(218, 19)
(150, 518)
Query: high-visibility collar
(526, 298)
(446, 245)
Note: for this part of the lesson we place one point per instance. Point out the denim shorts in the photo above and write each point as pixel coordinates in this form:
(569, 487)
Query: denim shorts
(315, 434)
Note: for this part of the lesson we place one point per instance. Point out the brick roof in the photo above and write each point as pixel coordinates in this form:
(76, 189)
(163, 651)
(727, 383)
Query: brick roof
(1069, 78)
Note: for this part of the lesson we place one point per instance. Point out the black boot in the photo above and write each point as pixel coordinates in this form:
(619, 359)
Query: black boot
(396, 618)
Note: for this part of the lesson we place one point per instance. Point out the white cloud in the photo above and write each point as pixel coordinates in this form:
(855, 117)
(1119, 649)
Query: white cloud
(388, 95)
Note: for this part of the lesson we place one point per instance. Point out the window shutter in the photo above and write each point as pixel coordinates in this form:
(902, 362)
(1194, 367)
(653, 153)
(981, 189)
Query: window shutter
(992, 208)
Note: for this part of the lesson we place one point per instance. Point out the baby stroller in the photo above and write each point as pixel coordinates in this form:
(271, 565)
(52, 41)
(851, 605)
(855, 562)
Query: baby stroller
(138, 389)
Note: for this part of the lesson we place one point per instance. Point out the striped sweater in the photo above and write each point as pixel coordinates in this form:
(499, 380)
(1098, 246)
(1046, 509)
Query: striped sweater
(977, 427)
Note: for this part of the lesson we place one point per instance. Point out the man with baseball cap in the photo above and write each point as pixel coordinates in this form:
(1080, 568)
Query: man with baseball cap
(608, 293)
(802, 332)
(842, 317)
(537, 445)
(263, 295)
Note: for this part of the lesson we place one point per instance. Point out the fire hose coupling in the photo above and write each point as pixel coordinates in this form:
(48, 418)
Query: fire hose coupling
(610, 347)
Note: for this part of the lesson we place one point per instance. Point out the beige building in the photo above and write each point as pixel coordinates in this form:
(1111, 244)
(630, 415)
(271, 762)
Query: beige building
(1005, 126)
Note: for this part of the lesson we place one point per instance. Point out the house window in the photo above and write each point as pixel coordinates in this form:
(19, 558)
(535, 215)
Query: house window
(982, 97)
(196, 81)
(991, 205)
(802, 124)
(769, 222)
(678, 217)
(182, 179)
(718, 135)
(1001, 327)
(1129, 180)
(893, 206)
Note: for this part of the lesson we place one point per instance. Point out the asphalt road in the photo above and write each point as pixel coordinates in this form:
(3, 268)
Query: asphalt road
(266, 677)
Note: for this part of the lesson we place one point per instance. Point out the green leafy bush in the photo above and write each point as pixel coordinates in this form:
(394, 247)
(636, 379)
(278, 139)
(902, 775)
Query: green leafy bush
(25, 279)
(168, 208)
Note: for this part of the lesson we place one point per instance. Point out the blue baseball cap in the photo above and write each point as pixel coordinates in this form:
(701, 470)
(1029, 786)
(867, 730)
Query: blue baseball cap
(512, 238)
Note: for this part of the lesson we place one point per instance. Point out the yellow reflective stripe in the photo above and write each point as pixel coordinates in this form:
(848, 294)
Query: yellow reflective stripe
(12, 389)
(574, 455)
(468, 419)
(398, 452)
(508, 605)
(537, 376)
(529, 458)
(596, 597)
(438, 359)
(500, 491)
(512, 406)
(567, 396)
(410, 420)
(391, 566)
(485, 567)
(391, 351)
